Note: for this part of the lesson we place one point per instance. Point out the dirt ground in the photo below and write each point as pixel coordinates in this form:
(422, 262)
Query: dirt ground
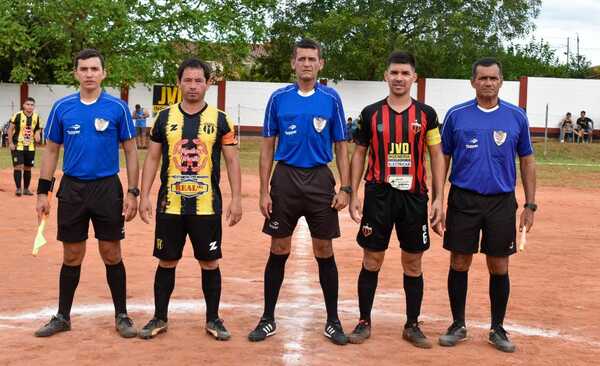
(552, 315)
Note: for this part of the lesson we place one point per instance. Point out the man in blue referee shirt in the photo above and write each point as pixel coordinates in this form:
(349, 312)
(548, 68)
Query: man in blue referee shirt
(90, 125)
(307, 118)
(482, 137)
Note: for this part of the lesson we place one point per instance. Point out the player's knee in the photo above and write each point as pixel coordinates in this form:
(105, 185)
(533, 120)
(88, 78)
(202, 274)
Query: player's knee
(460, 262)
(209, 265)
(168, 264)
(497, 265)
(73, 255)
(110, 254)
(281, 246)
(322, 248)
(411, 263)
(372, 263)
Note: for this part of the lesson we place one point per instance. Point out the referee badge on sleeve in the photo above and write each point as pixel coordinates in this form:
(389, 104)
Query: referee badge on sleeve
(499, 137)
(319, 123)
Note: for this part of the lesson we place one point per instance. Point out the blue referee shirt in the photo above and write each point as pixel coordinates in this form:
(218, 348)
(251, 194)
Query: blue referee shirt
(91, 134)
(483, 145)
(307, 124)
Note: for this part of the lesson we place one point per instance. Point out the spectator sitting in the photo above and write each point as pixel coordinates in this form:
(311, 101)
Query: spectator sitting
(4, 134)
(566, 127)
(584, 127)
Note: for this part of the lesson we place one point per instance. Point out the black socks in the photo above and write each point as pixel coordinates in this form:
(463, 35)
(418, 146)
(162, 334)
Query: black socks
(328, 277)
(68, 281)
(457, 292)
(413, 290)
(274, 273)
(211, 287)
(17, 175)
(367, 284)
(26, 178)
(499, 292)
(164, 283)
(115, 276)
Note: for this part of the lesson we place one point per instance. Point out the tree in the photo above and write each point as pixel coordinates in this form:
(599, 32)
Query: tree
(445, 35)
(142, 40)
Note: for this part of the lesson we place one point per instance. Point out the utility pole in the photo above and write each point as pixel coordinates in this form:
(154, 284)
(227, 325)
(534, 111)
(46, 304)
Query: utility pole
(577, 47)
(567, 52)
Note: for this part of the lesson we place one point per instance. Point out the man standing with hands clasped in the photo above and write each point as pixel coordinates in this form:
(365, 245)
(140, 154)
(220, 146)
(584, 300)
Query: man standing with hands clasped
(482, 137)
(307, 118)
(395, 131)
(90, 124)
(186, 140)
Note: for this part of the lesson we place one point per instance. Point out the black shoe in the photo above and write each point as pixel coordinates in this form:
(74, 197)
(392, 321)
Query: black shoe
(216, 329)
(18, 192)
(499, 339)
(413, 334)
(335, 333)
(57, 324)
(361, 332)
(125, 326)
(264, 329)
(27, 192)
(457, 332)
(154, 327)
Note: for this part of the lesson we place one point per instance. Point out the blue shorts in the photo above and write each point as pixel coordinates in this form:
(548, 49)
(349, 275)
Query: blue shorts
(140, 123)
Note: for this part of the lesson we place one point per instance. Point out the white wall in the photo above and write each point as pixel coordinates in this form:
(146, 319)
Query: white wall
(562, 96)
(10, 100)
(443, 94)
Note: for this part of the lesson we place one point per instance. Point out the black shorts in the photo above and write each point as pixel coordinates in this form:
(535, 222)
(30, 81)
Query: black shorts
(470, 212)
(204, 232)
(100, 200)
(297, 192)
(384, 207)
(21, 157)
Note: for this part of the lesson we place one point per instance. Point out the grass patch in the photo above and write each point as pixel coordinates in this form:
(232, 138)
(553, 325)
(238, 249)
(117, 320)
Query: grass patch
(563, 165)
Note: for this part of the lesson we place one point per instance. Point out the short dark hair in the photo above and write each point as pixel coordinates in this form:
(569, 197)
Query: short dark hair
(86, 54)
(485, 62)
(568, 113)
(401, 57)
(137, 106)
(30, 99)
(582, 111)
(307, 43)
(194, 63)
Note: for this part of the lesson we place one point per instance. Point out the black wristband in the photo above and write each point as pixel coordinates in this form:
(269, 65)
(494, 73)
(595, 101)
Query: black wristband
(45, 186)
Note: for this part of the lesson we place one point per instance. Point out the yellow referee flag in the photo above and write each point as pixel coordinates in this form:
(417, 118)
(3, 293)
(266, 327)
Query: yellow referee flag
(40, 240)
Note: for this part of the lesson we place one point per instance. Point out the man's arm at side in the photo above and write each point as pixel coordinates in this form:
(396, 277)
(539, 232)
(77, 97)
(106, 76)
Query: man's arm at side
(49, 162)
(133, 172)
(148, 174)
(438, 177)
(342, 198)
(267, 150)
(357, 168)
(528, 177)
(11, 132)
(234, 174)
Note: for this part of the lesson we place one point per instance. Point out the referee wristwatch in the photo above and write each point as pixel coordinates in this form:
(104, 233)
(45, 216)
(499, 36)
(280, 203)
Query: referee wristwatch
(532, 206)
(135, 191)
(347, 189)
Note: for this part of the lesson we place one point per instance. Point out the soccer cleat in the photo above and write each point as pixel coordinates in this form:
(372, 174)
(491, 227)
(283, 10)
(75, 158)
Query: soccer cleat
(125, 326)
(57, 324)
(361, 332)
(499, 339)
(457, 332)
(335, 333)
(154, 327)
(264, 329)
(413, 334)
(27, 192)
(216, 329)
(18, 192)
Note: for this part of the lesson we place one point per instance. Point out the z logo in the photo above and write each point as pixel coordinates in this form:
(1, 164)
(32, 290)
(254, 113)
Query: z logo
(212, 246)
(173, 127)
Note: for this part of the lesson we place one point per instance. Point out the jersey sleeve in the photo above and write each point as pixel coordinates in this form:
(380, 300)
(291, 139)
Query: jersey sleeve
(432, 133)
(37, 124)
(339, 129)
(54, 127)
(13, 118)
(363, 132)
(271, 123)
(524, 146)
(157, 133)
(125, 124)
(448, 144)
(226, 130)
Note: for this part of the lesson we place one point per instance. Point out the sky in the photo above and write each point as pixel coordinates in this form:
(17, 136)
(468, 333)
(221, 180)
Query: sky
(559, 19)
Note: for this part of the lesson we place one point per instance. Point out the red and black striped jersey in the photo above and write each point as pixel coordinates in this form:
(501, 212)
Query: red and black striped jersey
(397, 142)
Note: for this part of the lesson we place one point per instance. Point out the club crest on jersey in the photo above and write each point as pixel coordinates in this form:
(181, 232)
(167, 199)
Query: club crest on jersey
(319, 123)
(416, 127)
(499, 137)
(366, 230)
(190, 159)
(100, 124)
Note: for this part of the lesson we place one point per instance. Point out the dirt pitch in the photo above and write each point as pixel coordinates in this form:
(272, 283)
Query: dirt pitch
(552, 315)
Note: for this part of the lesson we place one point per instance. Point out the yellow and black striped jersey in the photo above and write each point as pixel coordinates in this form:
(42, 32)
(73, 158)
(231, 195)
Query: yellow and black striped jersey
(25, 128)
(191, 155)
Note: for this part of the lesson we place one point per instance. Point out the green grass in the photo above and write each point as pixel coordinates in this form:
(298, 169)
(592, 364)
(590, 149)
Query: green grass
(563, 165)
